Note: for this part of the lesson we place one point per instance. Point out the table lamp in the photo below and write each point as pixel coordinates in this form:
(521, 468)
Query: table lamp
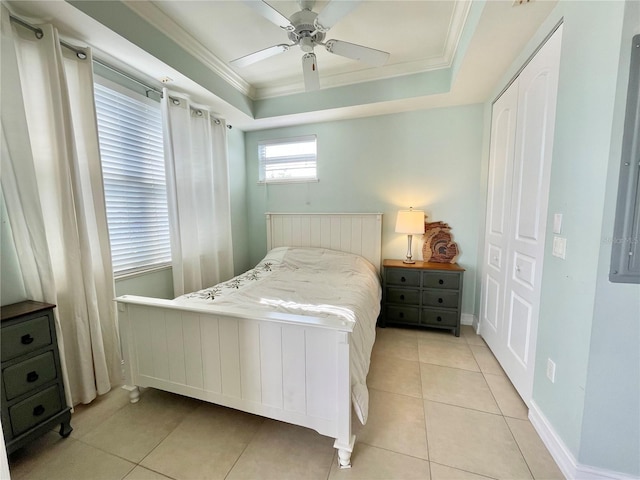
(410, 222)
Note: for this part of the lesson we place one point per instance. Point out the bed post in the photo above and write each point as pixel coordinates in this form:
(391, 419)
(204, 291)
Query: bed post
(268, 215)
(344, 440)
(126, 349)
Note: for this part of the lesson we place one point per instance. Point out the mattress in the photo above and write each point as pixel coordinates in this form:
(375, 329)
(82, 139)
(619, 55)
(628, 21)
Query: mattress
(311, 281)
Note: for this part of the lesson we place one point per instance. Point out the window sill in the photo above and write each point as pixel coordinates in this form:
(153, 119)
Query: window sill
(140, 271)
(283, 182)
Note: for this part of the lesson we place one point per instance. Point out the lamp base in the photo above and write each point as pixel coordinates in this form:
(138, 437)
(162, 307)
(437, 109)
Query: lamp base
(409, 251)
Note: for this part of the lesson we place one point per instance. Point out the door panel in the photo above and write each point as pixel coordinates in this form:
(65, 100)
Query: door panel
(518, 193)
(532, 171)
(502, 147)
(524, 270)
(518, 339)
(491, 305)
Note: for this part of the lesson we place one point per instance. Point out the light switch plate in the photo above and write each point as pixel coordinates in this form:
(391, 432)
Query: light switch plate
(557, 223)
(559, 247)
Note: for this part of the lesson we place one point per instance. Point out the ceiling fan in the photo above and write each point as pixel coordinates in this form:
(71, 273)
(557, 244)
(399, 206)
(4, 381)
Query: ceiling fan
(307, 29)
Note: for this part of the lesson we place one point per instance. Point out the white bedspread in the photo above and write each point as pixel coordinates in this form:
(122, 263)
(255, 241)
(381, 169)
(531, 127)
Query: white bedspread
(311, 281)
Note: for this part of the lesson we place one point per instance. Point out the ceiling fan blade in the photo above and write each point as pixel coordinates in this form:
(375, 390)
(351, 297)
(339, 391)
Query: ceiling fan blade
(259, 55)
(310, 72)
(270, 13)
(333, 12)
(368, 55)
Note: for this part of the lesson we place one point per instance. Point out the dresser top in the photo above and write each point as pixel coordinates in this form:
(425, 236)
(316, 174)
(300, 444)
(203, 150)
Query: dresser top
(22, 308)
(420, 265)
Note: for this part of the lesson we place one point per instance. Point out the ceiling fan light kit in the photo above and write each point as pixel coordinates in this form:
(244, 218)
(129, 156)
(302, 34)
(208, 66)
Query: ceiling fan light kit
(307, 29)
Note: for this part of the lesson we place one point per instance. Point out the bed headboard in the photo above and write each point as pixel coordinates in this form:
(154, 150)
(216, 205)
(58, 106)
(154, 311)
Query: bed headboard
(359, 233)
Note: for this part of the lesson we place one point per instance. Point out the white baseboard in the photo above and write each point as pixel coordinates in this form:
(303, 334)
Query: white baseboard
(468, 319)
(566, 461)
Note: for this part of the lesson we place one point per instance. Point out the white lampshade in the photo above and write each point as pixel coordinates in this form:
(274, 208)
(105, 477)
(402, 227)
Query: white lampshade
(410, 222)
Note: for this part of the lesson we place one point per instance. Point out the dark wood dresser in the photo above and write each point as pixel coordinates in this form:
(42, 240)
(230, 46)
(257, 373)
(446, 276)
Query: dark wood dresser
(33, 396)
(422, 294)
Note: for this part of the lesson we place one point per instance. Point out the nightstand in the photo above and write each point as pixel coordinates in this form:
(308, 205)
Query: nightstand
(33, 397)
(422, 294)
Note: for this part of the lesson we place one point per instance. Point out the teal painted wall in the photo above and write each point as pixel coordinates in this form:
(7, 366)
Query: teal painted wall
(157, 284)
(611, 420)
(427, 159)
(587, 86)
(587, 326)
(238, 192)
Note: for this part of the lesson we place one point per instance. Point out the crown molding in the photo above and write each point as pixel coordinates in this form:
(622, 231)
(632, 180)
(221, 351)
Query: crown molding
(351, 78)
(456, 26)
(165, 24)
(156, 17)
(458, 20)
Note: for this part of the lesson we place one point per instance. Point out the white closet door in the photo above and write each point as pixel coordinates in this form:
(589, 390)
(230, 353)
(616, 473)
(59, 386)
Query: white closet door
(502, 149)
(513, 297)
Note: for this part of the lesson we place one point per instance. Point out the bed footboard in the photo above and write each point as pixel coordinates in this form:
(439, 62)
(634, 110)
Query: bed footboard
(286, 367)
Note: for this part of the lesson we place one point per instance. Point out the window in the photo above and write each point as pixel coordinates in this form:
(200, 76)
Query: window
(288, 160)
(131, 149)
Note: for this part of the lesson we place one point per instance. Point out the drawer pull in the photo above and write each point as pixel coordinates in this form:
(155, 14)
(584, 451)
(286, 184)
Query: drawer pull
(441, 282)
(32, 376)
(38, 410)
(440, 300)
(439, 318)
(26, 339)
(401, 297)
(401, 314)
(403, 279)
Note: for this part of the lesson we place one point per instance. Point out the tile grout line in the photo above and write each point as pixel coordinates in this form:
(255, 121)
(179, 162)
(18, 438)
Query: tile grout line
(519, 448)
(426, 427)
(253, 437)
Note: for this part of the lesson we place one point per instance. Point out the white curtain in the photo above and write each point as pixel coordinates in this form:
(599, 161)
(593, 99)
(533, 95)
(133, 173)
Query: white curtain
(198, 194)
(52, 182)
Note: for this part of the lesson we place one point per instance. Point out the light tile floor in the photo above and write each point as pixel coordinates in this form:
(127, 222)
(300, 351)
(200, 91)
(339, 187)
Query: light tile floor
(440, 408)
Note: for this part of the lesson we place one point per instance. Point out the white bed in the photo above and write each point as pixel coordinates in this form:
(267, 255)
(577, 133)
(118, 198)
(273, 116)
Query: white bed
(305, 369)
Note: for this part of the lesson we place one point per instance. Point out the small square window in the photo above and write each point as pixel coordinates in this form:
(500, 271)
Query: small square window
(288, 160)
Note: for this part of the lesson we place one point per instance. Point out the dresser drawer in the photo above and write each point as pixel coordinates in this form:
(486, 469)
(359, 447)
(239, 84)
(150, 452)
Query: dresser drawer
(35, 409)
(409, 278)
(439, 318)
(25, 337)
(29, 375)
(400, 314)
(440, 280)
(403, 296)
(440, 298)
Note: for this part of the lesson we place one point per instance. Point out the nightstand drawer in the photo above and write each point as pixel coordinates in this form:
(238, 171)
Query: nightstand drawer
(408, 315)
(439, 318)
(440, 280)
(25, 337)
(403, 296)
(29, 375)
(34, 410)
(408, 278)
(440, 298)
(33, 397)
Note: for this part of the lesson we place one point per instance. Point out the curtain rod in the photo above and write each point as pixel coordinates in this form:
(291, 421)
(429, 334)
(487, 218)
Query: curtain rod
(126, 75)
(82, 55)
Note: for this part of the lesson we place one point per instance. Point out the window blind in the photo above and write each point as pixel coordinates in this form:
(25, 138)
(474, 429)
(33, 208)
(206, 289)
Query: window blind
(288, 160)
(131, 150)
